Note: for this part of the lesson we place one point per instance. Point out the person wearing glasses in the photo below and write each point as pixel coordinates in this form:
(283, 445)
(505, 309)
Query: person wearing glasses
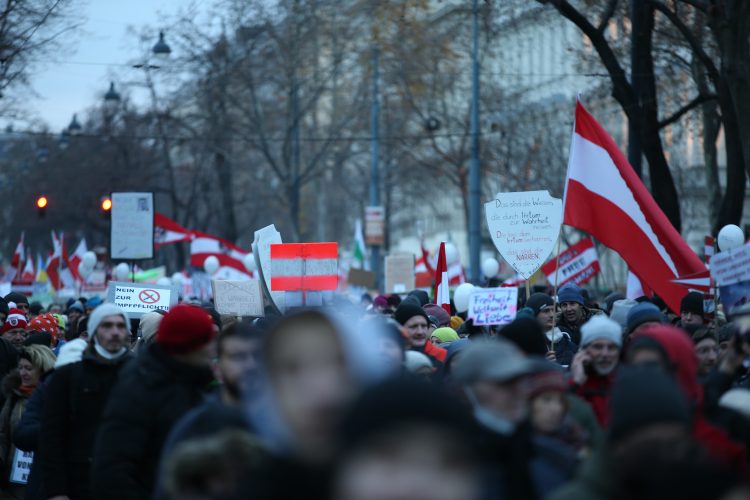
(75, 400)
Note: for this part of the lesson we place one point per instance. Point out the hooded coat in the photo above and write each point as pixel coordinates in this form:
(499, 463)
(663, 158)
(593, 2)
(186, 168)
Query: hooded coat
(10, 416)
(151, 394)
(681, 353)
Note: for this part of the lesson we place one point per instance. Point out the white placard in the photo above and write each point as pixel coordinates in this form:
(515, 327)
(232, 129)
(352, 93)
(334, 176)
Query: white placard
(524, 227)
(731, 267)
(20, 467)
(238, 298)
(400, 275)
(493, 306)
(137, 299)
(132, 227)
(264, 238)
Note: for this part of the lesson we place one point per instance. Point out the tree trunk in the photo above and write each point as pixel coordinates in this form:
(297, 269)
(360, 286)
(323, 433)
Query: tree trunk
(229, 221)
(734, 196)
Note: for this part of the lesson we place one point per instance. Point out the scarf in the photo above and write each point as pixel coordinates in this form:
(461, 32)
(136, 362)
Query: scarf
(109, 356)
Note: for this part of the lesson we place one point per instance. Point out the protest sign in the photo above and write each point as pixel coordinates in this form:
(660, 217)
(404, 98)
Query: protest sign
(399, 273)
(132, 226)
(578, 264)
(20, 467)
(493, 306)
(137, 299)
(264, 238)
(734, 295)
(524, 227)
(238, 298)
(731, 267)
(359, 277)
(375, 225)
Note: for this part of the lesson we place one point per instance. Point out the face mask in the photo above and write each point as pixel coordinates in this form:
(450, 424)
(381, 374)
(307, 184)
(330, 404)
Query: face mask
(106, 354)
(489, 419)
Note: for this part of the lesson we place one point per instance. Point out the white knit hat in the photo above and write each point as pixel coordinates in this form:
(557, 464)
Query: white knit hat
(416, 360)
(737, 400)
(601, 327)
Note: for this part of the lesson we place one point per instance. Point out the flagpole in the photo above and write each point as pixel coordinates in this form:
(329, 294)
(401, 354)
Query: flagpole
(554, 294)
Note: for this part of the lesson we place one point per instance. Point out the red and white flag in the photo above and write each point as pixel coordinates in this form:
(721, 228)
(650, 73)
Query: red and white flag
(442, 288)
(578, 264)
(230, 256)
(28, 275)
(708, 248)
(700, 282)
(76, 258)
(167, 231)
(304, 267)
(425, 270)
(58, 266)
(16, 263)
(605, 197)
(514, 281)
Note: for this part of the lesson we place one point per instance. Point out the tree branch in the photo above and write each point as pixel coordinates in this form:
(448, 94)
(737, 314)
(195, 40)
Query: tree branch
(607, 15)
(698, 100)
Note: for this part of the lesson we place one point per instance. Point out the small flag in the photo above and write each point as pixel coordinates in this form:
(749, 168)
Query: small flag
(578, 264)
(442, 290)
(359, 252)
(708, 248)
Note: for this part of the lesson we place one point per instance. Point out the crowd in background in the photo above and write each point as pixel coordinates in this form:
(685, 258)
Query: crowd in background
(392, 398)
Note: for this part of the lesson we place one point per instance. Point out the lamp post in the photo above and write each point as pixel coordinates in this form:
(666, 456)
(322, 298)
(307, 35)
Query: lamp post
(111, 98)
(374, 146)
(474, 177)
(161, 50)
(74, 128)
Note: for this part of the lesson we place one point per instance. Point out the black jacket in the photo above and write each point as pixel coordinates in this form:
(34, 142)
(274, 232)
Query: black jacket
(26, 438)
(151, 394)
(75, 399)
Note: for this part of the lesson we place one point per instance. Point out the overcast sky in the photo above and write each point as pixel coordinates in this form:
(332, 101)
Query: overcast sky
(80, 74)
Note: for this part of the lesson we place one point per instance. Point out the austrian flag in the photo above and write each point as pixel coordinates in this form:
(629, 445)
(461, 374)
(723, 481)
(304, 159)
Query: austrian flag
(605, 197)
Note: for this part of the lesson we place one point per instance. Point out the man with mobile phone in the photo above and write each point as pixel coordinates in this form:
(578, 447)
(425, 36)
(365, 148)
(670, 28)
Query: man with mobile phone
(593, 367)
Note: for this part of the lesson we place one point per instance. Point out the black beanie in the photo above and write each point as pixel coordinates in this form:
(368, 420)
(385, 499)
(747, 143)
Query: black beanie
(421, 295)
(407, 310)
(642, 396)
(16, 297)
(4, 307)
(537, 301)
(527, 334)
(692, 303)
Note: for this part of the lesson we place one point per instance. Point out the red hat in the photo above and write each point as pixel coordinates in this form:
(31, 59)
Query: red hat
(45, 323)
(16, 319)
(185, 328)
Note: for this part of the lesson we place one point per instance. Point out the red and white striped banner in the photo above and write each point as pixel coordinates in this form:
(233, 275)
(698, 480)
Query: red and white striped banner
(578, 264)
(708, 248)
(304, 267)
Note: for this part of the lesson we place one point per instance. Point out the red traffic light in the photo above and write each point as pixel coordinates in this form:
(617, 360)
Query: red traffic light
(41, 202)
(106, 204)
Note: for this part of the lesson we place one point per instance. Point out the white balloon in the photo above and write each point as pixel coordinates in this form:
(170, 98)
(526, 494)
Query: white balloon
(164, 281)
(84, 271)
(730, 237)
(490, 267)
(178, 279)
(461, 296)
(211, 264)
(451, 253)
(89, 259)
(249, 262)
(122, 271)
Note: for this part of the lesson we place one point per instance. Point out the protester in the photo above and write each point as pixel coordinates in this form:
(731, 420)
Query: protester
(34, 361)
(706, 350)
(74, 313)
(643, 315)
(620, 310)
(574, 312)
(691, 310)
(150, 395)
(20, 300)
(419, 365)
(593, 367)
(75, 399)
(14, 329)
(147, 328)
(543, 308)
(441, 315)
(35, 309)
(416, 323)
(4, 310)
(443, 336)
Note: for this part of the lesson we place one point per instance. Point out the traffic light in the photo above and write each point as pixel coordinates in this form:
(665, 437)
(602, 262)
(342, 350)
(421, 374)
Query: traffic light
(41, 206)
(106, 206)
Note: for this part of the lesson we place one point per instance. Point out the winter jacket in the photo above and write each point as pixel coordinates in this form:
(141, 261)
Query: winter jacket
(10, 416)
(595, 391)
(26, 438)
(575, 330)
(436, 354)
(596, 480)
(681, 353)
(8, 362)
(152, 393)
(76, 396)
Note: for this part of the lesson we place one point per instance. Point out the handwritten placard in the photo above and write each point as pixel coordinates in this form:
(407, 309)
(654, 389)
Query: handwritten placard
(132, 227)
(238, 298)
(399, 273)
(136, 299)
(493, 306)
(732, 266)
(524, 227)
(20, 467)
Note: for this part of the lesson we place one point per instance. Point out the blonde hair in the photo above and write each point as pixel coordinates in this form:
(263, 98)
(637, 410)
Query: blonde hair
(40, 356)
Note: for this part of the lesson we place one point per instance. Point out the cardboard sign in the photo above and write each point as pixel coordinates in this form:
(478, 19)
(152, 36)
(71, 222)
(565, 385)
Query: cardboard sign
(731, 267)
(20, 467)
(238, 298)
(132, 227)
(264, 238)
(399, 273)
(358, 277)
(493, 306)
(137, 299)
(578, 264)
(524, 227)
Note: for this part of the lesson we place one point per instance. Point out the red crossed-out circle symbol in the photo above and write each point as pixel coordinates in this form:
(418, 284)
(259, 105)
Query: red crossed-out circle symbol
(149, 296)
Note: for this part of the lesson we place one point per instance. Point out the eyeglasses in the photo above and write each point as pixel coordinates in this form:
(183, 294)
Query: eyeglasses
(111, 324)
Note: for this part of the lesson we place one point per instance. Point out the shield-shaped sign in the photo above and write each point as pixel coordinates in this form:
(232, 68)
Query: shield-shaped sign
(524, 227)
(264, 238)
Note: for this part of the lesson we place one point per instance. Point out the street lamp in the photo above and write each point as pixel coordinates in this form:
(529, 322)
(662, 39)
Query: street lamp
(161, 50)
(74, 128)
(112, 97)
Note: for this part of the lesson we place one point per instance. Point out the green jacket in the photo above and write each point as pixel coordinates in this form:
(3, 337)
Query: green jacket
(596, 480)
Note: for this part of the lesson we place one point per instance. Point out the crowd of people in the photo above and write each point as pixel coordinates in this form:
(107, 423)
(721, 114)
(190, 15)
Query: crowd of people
(392, 398)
